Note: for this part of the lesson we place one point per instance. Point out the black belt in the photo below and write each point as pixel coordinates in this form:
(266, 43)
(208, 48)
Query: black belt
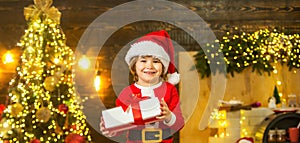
(149, 134)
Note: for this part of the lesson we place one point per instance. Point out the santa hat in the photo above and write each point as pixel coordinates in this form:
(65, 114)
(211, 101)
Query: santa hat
(157, 44)
(245, 140)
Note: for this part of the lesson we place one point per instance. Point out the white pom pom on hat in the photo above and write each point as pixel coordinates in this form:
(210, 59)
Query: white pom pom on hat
(156, 44)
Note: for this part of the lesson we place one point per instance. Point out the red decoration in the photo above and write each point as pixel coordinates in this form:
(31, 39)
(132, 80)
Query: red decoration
(6, 141)
(74, 127)
(63, 108)
(256, 104)
(75, 138)
(35, 141)
(2, 108)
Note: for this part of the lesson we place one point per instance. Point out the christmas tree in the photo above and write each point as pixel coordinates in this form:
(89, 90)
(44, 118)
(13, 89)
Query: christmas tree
(43, 105)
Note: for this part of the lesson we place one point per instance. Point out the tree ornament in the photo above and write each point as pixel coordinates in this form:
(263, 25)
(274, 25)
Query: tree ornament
(58, 74)
(43, 114)
(35, 141)
(16, 108)
(75, 138)
(42, 6)
(63, 108)
(2, 108)
(50, 83)
(72, 127)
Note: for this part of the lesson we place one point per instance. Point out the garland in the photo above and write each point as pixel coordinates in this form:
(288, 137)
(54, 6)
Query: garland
(259, 50)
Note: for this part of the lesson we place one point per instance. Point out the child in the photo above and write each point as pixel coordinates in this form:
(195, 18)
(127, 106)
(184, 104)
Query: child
(151, 62)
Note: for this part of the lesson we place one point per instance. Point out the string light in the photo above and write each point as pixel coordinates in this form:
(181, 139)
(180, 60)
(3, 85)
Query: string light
(220, 117)
(259, 50)
(244, 132)
(44, 79)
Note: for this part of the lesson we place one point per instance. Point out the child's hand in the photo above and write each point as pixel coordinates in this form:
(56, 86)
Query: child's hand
(165, 112)
(104, 131)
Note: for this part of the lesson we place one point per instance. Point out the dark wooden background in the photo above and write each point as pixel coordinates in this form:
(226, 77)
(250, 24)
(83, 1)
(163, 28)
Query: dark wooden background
(221, 15)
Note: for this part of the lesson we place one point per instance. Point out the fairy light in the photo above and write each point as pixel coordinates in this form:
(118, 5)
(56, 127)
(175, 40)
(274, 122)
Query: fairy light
(280, 94)
(278, 82)
(40, 62)
(220, 118)
(260, 50)
(244, 132)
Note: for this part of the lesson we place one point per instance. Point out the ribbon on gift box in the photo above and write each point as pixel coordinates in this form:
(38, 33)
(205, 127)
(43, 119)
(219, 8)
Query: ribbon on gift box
(150, 106)
(139, 112)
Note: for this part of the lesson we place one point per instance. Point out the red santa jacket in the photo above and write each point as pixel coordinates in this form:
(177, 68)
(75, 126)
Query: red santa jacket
(132, 95)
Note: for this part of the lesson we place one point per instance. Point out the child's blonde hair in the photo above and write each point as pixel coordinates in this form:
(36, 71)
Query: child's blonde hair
(132, 68)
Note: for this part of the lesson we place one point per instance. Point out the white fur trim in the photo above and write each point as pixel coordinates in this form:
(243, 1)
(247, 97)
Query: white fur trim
(148, 48)
(174, 78)
(172, 121)
(244, 141)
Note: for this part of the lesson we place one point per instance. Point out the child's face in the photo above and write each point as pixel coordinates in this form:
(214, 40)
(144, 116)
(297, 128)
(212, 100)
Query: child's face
(148, 69)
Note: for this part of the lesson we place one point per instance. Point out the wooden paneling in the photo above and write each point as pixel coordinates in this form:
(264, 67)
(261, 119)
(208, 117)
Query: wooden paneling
(248, 87)
(221, 15)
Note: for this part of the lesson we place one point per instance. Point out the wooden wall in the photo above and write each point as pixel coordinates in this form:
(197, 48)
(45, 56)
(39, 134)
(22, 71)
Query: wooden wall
(221, 15)
(247, 87)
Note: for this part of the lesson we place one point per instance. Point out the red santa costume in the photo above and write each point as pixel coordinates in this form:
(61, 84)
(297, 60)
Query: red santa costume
(159, 45)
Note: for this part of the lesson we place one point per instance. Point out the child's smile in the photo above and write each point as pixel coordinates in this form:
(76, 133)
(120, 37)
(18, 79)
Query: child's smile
(149, 70)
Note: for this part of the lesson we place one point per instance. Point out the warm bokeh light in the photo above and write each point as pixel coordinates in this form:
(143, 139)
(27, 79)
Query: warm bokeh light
(8, 58)
(278, 82)
(219, 116)
(97, 82)
(84, 62)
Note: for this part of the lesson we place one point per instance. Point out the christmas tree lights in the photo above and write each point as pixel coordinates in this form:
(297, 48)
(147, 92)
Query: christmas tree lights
(44, 106)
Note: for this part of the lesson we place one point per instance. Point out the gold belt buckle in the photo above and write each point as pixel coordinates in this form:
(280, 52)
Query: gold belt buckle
(150, 135)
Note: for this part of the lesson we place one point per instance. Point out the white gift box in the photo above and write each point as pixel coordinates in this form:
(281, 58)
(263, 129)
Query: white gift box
(117, 119)
(150, 108)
